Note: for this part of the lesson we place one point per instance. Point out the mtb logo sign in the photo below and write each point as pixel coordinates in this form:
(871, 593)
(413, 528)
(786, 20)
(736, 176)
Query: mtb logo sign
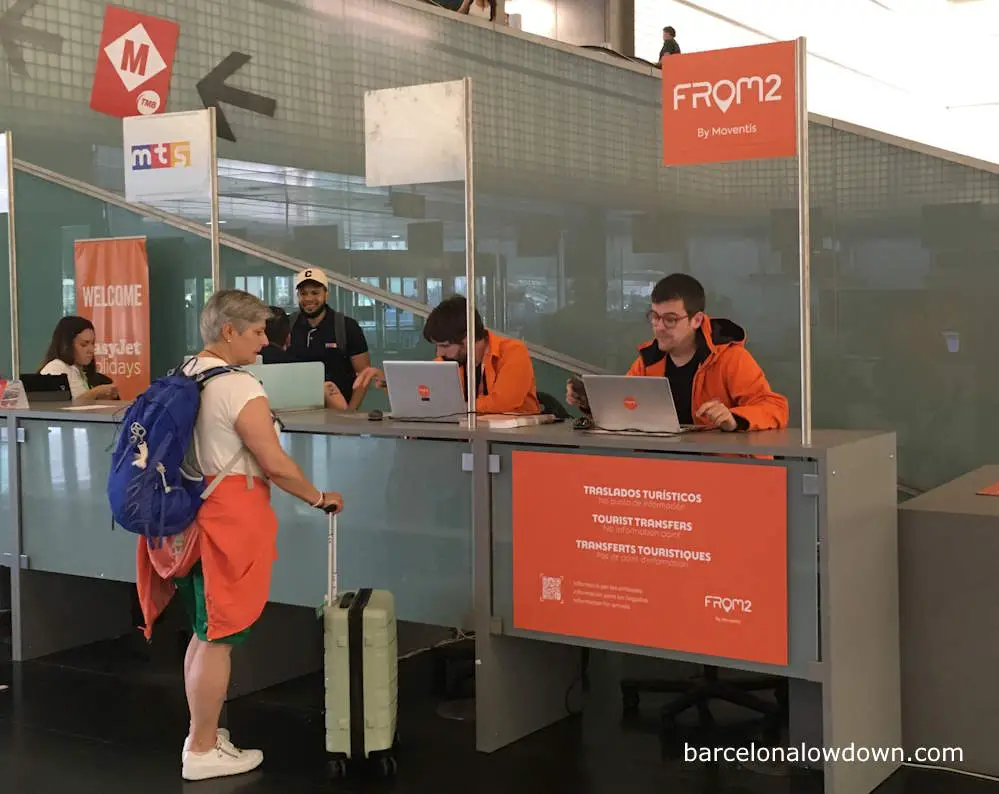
(734, 104)
(134, 64)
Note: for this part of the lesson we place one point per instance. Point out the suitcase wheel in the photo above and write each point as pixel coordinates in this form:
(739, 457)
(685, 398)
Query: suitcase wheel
(338, 767)
(387, 766)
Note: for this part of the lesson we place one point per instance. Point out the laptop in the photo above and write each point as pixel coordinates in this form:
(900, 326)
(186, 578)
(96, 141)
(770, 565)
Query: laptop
(624, 404)
(296, 386)
(425, 391)
(46, 388)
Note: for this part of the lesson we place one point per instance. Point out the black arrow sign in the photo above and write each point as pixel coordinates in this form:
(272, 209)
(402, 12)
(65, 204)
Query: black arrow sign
(212, 90)
(13, 33)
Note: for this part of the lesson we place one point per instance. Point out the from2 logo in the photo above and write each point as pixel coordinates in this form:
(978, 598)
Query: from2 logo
(173, 154)
(744, 605)
(725, 93)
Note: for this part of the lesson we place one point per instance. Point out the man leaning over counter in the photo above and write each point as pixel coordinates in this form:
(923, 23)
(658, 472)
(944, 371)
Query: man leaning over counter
(713, 378)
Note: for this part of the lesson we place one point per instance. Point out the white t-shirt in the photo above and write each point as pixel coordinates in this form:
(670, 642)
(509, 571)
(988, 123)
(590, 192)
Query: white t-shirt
(77, 382)
(475, 10)
(215, 437)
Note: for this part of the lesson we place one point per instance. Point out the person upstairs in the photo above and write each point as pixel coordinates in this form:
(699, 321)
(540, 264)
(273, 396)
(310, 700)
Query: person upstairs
(670, 46)
(278, 330)
(713, 378)
(318, 333)
(504, 374)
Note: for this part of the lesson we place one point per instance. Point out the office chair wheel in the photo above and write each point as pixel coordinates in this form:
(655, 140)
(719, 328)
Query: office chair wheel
(629, 698)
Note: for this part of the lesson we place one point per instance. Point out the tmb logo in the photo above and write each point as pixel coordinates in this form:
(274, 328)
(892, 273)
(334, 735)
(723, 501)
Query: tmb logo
(172, 154)
(724, 93)
(424, 392)
(728, 605)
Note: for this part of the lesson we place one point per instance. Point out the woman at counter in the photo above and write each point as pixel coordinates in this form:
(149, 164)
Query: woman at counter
(71, 353)
(221, 565)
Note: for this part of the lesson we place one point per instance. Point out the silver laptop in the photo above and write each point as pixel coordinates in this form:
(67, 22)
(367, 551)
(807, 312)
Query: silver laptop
(620, 403)
(425, 391)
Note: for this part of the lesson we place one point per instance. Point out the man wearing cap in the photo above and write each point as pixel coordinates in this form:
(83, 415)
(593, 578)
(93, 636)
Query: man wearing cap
(318, 333)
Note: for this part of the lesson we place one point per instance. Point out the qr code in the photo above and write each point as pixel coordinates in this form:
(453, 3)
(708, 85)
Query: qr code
(551, 588)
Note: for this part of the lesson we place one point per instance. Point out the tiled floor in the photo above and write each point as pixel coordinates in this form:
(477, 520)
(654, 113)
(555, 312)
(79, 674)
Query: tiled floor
(64, 728)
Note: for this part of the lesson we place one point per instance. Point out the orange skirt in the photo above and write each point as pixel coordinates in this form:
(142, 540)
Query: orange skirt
(235, 538)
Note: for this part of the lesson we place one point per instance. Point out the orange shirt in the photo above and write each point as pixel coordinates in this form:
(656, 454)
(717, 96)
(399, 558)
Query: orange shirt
(507, 385)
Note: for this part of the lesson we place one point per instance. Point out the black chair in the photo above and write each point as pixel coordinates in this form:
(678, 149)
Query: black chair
(550, 405)
(699, 691)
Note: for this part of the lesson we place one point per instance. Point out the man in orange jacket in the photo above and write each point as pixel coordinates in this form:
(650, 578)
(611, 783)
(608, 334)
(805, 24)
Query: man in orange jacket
(714, 380)
(504, 373)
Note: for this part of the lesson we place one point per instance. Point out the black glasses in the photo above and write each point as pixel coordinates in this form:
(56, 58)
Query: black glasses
(668, 320)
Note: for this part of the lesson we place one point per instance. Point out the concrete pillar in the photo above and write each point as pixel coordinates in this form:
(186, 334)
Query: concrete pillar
(620, 17)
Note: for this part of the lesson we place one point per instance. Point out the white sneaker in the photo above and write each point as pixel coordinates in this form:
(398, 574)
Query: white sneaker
(223, 761)
(222, 733)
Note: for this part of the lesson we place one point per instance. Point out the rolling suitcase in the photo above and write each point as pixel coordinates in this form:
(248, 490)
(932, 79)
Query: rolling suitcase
(360, 661)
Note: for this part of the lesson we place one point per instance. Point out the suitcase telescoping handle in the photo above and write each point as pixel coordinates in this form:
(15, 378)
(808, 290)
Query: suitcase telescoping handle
(331, 560)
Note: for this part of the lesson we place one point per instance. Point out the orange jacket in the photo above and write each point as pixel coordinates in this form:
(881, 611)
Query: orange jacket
(234, 536)
(508, 374)
(729, 375)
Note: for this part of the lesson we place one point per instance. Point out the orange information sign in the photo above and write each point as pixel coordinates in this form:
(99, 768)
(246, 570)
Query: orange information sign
(680, 555)
(732, 104)
(112, 291)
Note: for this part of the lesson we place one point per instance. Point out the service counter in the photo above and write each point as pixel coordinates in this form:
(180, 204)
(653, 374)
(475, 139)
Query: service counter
(747, 551)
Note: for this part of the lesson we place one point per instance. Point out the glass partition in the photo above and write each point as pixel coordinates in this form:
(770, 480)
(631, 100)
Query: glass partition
(50, 218)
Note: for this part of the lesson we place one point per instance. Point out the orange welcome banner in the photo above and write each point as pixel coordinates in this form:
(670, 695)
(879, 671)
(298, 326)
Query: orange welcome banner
(678, 555)
(112, 291)
(732, 104)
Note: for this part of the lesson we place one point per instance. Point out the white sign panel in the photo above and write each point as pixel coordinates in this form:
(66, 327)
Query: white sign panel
(4, 176)
(415, 135)
(168, 156)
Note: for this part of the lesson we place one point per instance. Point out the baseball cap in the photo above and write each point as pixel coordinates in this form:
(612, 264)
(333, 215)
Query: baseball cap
(312, 274)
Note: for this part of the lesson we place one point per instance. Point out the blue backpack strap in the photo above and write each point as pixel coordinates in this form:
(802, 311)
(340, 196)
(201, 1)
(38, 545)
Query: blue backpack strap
(202, 378)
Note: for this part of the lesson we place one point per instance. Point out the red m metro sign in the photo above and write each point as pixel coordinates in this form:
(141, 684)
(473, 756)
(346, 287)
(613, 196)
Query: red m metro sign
(134, 64)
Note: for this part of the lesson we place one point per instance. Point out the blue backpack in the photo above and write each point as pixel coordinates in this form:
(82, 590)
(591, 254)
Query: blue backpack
(151, 490)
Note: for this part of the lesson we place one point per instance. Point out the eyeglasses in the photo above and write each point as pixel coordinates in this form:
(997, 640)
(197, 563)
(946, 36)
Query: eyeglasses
(667, 320)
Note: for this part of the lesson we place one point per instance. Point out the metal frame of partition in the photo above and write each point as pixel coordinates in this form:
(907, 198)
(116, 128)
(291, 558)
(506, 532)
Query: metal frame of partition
(804, 237)
(15, 336)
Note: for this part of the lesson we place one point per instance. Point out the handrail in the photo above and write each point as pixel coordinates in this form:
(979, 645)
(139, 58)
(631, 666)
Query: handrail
(539, 352)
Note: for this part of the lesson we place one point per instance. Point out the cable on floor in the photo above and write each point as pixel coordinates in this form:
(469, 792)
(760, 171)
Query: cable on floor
(460, 636)
(951, 770)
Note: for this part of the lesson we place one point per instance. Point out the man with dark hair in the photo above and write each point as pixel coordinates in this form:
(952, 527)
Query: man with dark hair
(714, 380)
(504, 374)
(670, 47)
(278, 330)
(319, 333)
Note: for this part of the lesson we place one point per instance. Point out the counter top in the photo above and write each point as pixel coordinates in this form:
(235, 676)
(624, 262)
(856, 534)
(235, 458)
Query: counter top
(784, 443)
(960, 496)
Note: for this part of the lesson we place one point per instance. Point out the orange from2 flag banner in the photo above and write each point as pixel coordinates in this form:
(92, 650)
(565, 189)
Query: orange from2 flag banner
(678, 555)
(112, 291)
(732, 104)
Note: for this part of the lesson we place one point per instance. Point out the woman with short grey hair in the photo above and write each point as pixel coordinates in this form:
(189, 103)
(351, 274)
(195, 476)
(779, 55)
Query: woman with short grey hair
(221, 565)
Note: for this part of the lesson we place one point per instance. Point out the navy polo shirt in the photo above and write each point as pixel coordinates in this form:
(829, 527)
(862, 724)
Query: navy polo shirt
(319, 343)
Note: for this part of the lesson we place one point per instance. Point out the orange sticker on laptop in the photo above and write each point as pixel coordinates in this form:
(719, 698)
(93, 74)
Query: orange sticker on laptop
(630, 403)
(424, 391)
